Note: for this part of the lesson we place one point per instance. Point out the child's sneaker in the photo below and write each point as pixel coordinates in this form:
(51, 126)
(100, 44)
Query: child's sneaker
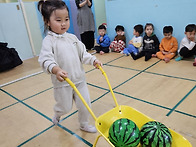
(135, 52)
(121, 52)
(88, 128)
(55, 120)
(178, 58)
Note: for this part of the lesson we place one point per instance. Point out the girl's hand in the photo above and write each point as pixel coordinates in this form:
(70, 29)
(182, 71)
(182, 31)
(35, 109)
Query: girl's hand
(60, 74)
(97, 62)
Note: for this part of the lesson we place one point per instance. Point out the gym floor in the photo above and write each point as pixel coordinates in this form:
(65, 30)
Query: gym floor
(163, 91)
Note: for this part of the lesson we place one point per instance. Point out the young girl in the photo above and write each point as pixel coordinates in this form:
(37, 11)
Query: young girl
(62, 55)
(119, 42)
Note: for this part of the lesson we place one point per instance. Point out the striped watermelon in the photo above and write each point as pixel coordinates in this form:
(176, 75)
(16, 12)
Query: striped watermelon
(124, 133)
(155, 134)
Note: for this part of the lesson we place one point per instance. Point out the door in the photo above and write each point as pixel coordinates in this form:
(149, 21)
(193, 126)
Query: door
(13, 29)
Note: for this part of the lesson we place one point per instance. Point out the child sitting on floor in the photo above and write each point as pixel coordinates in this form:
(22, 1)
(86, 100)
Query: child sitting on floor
(168, 45)
(188, 46)
(103, 41)
(119, 42)
(135, 44)
(150, 44)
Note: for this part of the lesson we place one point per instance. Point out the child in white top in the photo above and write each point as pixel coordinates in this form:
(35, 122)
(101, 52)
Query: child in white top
(62, 55)
(135, 44)
(188, 46)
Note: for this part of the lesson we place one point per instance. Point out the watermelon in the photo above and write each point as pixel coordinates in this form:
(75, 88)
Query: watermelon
(124, 133)
(155, 134)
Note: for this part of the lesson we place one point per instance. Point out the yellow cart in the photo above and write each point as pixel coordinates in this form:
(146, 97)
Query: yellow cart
(104, 121)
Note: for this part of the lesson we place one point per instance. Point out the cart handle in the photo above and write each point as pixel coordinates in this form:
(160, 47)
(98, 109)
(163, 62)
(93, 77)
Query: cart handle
(103, 72)
(80, 96)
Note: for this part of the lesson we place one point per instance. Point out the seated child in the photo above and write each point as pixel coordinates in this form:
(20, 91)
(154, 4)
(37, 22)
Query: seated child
(188, 46)
(168, 46)
(135, 44)
(150, 44)
(103, 41)
(119, 42)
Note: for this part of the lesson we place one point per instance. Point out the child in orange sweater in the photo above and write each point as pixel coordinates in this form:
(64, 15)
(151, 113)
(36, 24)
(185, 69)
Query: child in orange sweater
(168, 46)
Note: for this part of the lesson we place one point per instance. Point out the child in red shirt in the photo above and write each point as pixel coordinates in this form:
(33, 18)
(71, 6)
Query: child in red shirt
(119, 42)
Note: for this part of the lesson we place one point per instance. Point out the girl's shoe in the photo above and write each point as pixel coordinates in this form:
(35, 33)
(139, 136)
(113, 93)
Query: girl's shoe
(88, 128)
(55, 120)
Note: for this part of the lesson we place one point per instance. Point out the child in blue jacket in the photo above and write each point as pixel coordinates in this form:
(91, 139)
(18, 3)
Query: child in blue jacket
(103, 41)
(135, 44)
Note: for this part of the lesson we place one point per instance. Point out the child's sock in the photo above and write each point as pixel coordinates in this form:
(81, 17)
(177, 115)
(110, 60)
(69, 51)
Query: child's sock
(125, 51)
(135, 51)
(101, 53)
(179, 58)
(166, 60)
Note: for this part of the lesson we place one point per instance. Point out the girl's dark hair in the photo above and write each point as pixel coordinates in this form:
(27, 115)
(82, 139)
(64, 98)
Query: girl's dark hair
(149, 24)
(101, 27)
(139, 28)
(119, 28)
(46, 7)
(168, 29)
(190, 28)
